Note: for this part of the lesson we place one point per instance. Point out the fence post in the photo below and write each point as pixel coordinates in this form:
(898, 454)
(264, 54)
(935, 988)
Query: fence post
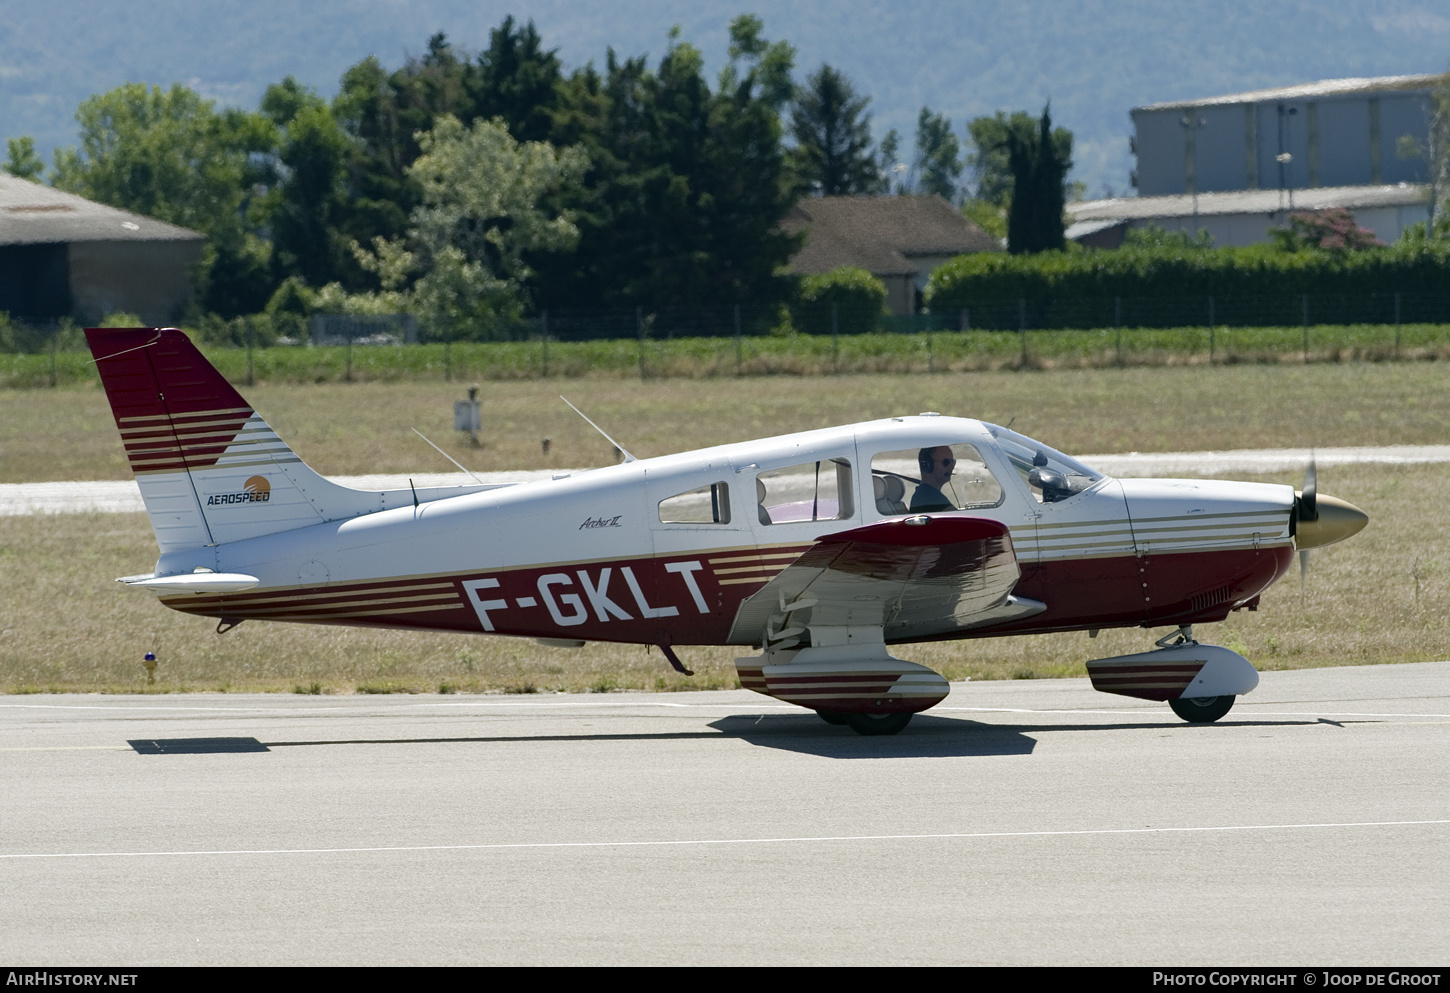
(1118, 326)
(639, 325)
(836, 338)
(546, 342)
(1022, 326)
(739, 356)
(1210, 329)
(1397, 324)
(1304, 320)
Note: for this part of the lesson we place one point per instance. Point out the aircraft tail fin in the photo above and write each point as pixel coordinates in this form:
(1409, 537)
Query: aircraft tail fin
(210, 470)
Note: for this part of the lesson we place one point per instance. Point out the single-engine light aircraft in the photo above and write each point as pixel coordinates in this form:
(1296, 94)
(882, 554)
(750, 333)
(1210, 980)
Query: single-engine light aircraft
(820, 550)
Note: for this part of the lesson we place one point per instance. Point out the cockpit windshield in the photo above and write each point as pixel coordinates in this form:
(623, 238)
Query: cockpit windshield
(1049, 474)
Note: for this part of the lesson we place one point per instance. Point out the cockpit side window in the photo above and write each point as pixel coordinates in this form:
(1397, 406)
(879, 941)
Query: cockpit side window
(811, 491)
(705, 505)
(936, 478)
(1050, 475)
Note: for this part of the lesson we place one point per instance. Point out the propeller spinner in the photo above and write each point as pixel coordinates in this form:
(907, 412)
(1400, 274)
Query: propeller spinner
(1323, 520)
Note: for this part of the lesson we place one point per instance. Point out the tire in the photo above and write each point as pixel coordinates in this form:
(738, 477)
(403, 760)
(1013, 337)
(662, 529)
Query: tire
(837, 719)
(877, 723)
(1202, 709)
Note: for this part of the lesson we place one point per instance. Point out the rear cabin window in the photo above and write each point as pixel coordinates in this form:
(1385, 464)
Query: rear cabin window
(811, 491)
(705, 505)
(940, 478)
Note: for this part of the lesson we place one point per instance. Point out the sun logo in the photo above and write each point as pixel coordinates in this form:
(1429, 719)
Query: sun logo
(255, 490)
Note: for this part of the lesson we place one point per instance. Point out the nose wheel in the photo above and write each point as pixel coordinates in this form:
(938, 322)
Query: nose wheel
(1202, 709)
(877, 723)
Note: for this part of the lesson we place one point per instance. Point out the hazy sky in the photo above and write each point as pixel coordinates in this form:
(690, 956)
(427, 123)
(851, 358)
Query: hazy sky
(1092, 58)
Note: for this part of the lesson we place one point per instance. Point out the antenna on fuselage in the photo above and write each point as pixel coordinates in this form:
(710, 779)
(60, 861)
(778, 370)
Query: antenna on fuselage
(627, 457)
(441, 452)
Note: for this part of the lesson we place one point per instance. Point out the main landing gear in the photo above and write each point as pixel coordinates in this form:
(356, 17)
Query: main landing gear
(867, 723)
(1202, 709)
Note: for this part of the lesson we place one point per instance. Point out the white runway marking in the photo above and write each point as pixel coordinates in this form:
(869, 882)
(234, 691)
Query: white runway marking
(703, 842)
(752, 707)
(1239, 715)
(745, 707)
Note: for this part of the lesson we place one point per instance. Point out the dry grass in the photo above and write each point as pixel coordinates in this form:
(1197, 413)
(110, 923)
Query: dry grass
(65, 626)
(353, 428)
(1383, 596)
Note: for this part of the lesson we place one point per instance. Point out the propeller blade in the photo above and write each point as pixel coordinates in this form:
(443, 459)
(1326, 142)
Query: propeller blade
(1303, 566)
(1308, 500)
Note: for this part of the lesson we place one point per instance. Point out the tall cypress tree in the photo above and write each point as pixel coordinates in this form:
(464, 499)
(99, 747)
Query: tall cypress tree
(1039, 160)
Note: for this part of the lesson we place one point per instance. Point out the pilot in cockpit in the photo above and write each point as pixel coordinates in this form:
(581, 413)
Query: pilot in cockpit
(936, 466)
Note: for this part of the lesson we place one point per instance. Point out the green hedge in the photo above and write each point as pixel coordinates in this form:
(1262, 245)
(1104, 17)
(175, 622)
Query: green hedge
(995, 283)
(856, 298)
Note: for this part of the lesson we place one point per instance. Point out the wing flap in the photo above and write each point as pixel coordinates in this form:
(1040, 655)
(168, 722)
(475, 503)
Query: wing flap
(908, 578)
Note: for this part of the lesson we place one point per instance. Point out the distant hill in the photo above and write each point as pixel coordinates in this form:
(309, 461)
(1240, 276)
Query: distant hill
(1094, 59)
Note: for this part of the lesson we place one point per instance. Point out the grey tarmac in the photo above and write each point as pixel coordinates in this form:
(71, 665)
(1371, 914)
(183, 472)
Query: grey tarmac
(1028, 822)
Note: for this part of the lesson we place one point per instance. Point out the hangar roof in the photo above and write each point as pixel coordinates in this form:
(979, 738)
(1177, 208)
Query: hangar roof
(34, 214)
(1310, 91)
(1248, 202)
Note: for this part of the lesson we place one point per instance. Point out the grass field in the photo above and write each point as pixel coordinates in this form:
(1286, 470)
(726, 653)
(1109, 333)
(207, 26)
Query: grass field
(354, 428)
(64, 625)
(1380, 597)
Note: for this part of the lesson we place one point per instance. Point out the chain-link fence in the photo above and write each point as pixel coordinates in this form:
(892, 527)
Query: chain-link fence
(744, 340)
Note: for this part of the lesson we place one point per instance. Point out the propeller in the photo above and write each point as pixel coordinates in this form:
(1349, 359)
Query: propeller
(1307, 507)
(1321, 520)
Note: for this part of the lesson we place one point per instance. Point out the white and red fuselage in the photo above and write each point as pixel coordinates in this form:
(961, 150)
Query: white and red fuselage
(791, 544)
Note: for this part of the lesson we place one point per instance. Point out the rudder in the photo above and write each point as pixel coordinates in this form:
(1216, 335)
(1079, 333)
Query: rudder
(210, 470)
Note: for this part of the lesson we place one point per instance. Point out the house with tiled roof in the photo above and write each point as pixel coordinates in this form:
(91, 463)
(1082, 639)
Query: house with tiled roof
(899, 240)
(62, 255)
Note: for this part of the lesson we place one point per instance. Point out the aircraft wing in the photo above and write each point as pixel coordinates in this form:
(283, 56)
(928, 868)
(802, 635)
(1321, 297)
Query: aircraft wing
(912, 578)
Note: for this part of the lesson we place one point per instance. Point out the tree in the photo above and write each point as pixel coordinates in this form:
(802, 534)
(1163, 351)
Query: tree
(991, 171)
(516, 81)
(1039, 162)
(309, 200)
(1438, 156)
(990, 203)
(478, 217)
(169, 155)
(686, 188)
(938, 165)
(22, 161)
(1332, 230)
(887, 164)
(832, 131)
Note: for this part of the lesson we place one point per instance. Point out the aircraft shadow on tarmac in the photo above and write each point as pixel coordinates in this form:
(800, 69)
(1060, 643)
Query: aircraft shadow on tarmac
(927, 737)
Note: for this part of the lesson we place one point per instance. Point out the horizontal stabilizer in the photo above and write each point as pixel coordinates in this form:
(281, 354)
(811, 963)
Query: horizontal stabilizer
(193, 582)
